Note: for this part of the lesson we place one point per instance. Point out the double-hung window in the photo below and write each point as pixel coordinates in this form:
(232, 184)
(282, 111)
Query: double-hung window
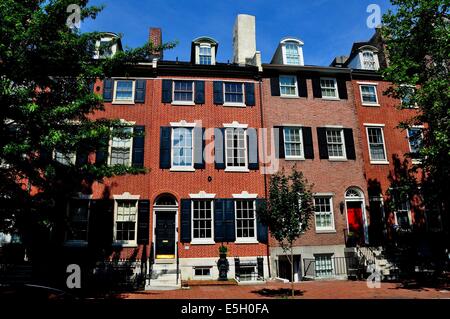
(234, 93)
(293, 143)
(377, 149)
(124, 91)
(368, 61)
(65, 158)
(329, 88)
(202, 220)
(245, 220)
(182, 148)
(369, 94)
(324, 265)
(183, 91)
(236, 148)
(323, 208)
(78, 220)
(121, 146)
(205, 54)
(292, 55)
(335, 143)
(415, 139)
(408, 91)
(126, 221)
(288, 85)
(402, 214)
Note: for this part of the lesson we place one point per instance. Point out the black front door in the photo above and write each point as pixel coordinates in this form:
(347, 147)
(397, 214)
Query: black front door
(165, 235)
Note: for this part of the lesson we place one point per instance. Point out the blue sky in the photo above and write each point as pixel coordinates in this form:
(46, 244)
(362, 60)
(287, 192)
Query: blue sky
(328, 27)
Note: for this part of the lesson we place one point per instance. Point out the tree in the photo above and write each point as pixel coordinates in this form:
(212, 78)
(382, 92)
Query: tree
(46, 99)
(288, 211)
(418, 46)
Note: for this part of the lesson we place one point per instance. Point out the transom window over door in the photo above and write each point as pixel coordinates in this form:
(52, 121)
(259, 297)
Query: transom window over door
(329, 88)
(293, 142)
(288, 85)
(124, 91)
(236, 148)
(245, 219)
(335, 143)
(292, 55)
(78, 220)
(121, 146)
(234, 92)
(202, 218)
(182, 147)
(369, 94)
(183, 91)
(376, 144)
(324, 213)
(126, 221)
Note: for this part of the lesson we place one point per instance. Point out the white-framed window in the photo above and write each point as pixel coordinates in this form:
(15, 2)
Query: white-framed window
(323, 209)
(183, 91)
(368, 61)
(124, 91)
(324, 265)
(329, 88)
(368, 94)
(125, 223)
(292, 54)
(182, 148)
(121, 146)
(408, 92)
(293, 143)
(377, 147)
(288, 85)
(205, 54)
(236, 148)
(403, 214)
(78, 220)
(65, 158)
(415, 139)
(202, 272)
(335, 143)
(202, 220)
(245, 219)
(234, 93)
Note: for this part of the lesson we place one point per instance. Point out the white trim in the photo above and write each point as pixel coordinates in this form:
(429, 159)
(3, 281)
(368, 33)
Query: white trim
(183, 123)
(374, 125)
(235, 124)
(332, 227)
(377, 103)
(330, 194)
(187, 103)
(237, 168)
(237, 104)
(302, 146)
(299, 44)
(186, 168)
(372, 161)
(133, 88)
(125, 243)
(110, 143)
(336, 97)
(246, 240)
(202, 241)
(202, 195)
(334, 126)
(245, 195)
(295, 95)
(126, 196)
(344, 151)
(367, 83)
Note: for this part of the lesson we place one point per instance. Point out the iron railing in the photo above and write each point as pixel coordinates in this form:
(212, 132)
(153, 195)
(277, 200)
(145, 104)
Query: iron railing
(339, 266)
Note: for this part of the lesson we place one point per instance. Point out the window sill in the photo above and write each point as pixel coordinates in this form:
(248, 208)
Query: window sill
(203, 242)
(72, 243)
(125, 245)
(185, 169)
(370, 104)
(337, 159)
(379, 162)
(326, 231)
(123, 102)
(234, 104)
(290, 97)
(246, 241)
(183, 103)
(237, 170)
(331, 98)
(294, 158)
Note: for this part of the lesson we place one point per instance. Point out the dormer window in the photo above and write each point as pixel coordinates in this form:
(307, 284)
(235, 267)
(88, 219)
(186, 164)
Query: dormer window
(289, 52)
(292, 54)
(368, 61)
(204, 51)
(205, 54)
(107, 46)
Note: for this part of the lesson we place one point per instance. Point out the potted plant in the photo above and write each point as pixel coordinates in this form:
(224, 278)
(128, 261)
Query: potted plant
(223, 250)
(223, 264)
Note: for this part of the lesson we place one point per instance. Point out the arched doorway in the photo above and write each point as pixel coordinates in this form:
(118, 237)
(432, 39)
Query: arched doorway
(356, 217)
(165, 221)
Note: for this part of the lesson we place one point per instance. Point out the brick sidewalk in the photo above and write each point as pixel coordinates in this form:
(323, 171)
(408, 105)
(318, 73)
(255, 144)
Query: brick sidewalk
(306, 290)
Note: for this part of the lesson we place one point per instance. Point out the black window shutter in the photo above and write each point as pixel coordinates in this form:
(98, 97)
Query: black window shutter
(82, 157)
(166, 91)
(317, 90)
(108, 90)
(262, 230)
(342, 88)
(302, 87)
(165, 147)
(91, 85)
(275, 86)
(143, 233)
(185, 229)
(349, 144)
(252, 144)
(323, 145)
(308, 142)
(101, 223)
(249, 94)
(199, 146)
(229, 221)
(219, 148)
(278, 139)
(219, 206)
(139, 95)
(138, 146)
(101, 156)
(199, 92)
(218, 92)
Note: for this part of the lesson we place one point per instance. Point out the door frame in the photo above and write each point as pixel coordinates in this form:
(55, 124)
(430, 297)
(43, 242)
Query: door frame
(361, 199)
(167, 209)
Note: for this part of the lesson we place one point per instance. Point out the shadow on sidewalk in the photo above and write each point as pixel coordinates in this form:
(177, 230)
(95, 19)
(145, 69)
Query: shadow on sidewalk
(277, 293)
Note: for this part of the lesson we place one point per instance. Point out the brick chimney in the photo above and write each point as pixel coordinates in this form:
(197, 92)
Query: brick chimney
(155, 37)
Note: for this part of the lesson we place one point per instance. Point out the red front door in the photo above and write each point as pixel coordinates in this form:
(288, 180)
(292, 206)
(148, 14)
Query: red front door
(355, 221)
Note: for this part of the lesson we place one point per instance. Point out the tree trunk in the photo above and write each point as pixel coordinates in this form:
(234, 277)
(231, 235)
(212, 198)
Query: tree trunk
(292, 272)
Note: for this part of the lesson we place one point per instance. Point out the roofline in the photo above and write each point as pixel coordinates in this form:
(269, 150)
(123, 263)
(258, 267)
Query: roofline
(313, 68)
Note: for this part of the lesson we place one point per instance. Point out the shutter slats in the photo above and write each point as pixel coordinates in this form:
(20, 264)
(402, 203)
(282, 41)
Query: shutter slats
(317, 90)
(138, 146)
(166, 91)
(199, 92)
(302, 86)
(349, 144)
(308, 142)
(275, 86)
(165, 147)
(219, 148)
(342, 88)
(108, 90)
(143, 234)
(322, 139)
(185, 229)
(249, 94)
(139, 95)
(252, 141)
(262, 230)
(218, 92)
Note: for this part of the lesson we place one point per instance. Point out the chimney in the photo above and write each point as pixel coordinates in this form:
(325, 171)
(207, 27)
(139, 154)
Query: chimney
(244, 40)
(155, 37)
